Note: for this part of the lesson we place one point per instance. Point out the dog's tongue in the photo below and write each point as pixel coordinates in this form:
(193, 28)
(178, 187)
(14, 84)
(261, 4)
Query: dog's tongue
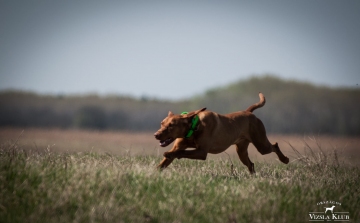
(162, 143)
(166, 142)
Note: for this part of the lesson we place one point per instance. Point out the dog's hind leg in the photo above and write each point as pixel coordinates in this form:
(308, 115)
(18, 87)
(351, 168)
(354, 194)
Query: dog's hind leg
(262, 144)
(266, 148)
(242, 151)
(278, 152)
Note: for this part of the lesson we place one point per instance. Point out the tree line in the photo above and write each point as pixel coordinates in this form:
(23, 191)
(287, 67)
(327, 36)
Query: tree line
(291, 107)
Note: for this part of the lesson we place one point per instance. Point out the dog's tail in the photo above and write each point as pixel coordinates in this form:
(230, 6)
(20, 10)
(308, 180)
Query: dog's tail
(257, 105)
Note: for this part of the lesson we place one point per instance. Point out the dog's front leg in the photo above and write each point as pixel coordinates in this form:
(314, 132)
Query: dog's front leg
(189, 154)
(179, 145)
(164, 163)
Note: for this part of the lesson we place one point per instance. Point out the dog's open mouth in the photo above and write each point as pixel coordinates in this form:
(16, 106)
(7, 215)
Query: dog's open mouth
(166, 142)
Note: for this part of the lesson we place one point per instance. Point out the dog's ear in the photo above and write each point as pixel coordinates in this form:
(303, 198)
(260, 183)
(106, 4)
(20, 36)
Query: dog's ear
(170, 114)
(198, 111)
(193, 113)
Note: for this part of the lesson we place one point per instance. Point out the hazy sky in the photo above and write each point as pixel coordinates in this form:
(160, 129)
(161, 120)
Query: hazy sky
(174, 49)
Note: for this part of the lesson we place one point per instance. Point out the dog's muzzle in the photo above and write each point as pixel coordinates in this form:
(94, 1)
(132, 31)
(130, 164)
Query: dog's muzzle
(163, 143)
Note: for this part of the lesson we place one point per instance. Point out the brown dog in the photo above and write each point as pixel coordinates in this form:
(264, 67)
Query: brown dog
(214, 133)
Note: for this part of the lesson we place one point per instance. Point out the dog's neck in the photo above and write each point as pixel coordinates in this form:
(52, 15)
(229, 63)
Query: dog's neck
(194, 125)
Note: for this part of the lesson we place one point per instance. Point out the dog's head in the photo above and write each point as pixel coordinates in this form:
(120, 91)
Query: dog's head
(175, 126)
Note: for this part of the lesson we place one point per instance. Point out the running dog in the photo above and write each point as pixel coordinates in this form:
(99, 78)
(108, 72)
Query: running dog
(209, 132)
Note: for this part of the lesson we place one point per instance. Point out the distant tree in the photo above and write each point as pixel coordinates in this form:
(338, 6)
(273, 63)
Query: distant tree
(292, 108)
(90, 117)
(117, 120)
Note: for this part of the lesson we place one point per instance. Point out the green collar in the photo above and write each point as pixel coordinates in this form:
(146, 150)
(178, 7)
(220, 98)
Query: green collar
(194, 123)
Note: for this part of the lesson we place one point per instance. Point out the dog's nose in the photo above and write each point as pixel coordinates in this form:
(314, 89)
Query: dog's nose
(156, 134)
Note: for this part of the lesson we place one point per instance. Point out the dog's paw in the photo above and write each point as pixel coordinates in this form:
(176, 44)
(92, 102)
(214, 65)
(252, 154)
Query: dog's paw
(161, 167)
(285, 160)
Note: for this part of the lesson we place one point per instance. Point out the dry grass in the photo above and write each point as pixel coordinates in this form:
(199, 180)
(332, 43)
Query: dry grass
(90, 187)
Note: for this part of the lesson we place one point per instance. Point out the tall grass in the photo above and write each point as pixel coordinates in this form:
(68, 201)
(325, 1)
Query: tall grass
(90, 187)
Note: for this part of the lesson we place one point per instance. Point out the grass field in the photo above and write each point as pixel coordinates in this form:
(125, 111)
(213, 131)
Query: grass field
(97, 177)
